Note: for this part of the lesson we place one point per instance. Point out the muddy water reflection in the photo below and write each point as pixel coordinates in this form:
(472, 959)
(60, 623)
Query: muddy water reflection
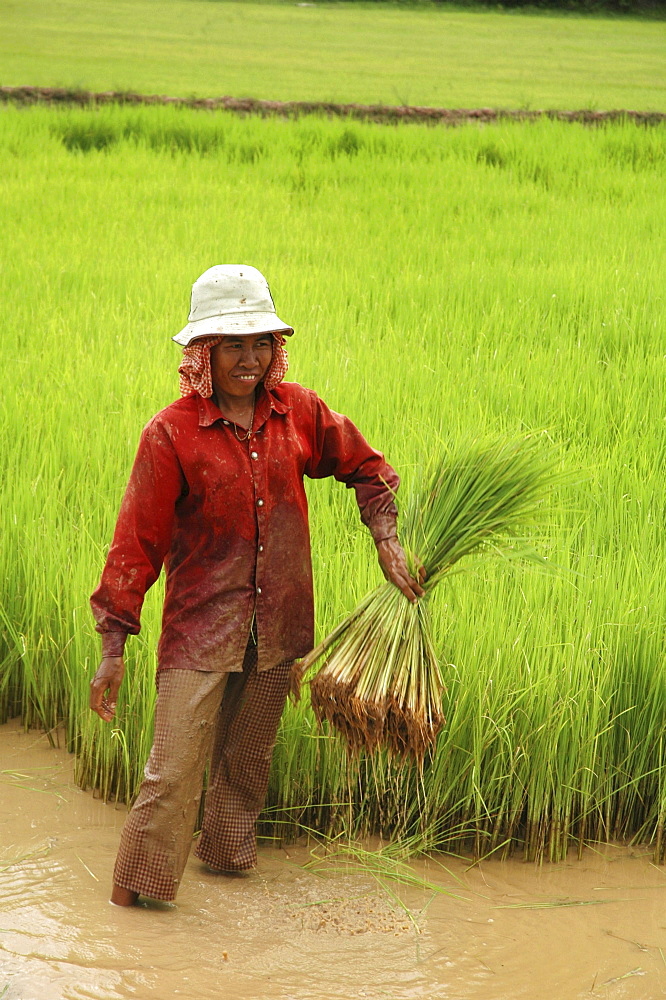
(283, 932)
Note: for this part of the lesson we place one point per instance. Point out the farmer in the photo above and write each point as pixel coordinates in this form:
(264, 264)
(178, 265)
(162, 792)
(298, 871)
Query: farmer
(216, 496)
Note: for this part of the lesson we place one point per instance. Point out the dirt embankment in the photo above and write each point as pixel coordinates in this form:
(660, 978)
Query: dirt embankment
(293, 109)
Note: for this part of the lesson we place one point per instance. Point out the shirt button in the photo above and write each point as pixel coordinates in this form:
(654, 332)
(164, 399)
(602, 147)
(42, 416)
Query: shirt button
(261, 548)
(226, 423)
(253, 454)
(258, 590)
(260, 503)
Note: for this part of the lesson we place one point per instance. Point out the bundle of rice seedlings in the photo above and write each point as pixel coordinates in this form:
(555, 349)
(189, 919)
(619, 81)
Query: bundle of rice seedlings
(381, 683)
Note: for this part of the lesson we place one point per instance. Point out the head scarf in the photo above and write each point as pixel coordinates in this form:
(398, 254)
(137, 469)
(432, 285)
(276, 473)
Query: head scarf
(194, 369)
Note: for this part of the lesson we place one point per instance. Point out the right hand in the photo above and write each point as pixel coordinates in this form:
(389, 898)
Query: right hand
(105, 686)
(393, 563)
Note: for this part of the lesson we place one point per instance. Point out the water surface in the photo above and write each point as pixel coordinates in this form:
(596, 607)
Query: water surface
(510, 931)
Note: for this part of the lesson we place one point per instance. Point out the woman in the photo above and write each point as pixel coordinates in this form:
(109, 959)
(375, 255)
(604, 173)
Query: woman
(216, 496)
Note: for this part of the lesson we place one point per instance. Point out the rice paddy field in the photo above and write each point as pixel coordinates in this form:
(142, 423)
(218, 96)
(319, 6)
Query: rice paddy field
(443, 283)
(371, 53)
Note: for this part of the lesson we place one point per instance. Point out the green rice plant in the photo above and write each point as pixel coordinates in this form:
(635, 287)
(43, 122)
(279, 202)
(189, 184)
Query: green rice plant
(382, 864)
(436, 296)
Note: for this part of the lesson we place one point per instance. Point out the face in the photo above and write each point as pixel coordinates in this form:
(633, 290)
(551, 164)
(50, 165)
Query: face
(237, 364)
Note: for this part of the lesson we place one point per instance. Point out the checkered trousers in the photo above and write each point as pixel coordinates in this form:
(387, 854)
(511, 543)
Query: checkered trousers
(235, 716)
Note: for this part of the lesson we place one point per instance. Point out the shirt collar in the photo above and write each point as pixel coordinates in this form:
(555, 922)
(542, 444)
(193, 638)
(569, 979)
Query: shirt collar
(267, 402)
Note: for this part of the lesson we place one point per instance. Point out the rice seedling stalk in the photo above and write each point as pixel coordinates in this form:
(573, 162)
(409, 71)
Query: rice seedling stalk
(381, 683)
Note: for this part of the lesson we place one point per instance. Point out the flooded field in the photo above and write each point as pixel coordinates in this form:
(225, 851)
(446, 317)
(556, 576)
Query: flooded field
(501, 931)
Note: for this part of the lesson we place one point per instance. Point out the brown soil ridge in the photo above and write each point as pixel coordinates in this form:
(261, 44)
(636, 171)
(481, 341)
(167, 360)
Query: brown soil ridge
(293, 109)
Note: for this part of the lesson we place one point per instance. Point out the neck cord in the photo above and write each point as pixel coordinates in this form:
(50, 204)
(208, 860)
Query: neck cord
(246, 437)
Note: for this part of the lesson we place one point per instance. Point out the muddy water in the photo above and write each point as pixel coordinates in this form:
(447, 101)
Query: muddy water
(595, 928)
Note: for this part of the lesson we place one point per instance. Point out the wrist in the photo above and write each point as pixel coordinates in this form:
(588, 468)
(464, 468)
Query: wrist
(383, 528)
(113, 644)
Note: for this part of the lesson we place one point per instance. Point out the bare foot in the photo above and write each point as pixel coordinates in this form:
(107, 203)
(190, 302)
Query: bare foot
(123, 897)
(229, 872)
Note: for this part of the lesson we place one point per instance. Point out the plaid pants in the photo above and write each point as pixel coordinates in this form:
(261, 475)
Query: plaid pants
(237, 716)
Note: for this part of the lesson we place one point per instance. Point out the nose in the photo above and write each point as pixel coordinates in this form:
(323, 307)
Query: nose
(249, 357)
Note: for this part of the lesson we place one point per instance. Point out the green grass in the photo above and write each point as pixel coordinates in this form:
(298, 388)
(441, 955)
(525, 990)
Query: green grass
(337, 52)
(442, 283)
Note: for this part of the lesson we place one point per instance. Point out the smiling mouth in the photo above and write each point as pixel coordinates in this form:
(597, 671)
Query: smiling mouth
(247, 378)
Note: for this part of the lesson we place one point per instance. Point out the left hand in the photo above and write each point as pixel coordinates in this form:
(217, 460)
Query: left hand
(105, 686)
(394, 567)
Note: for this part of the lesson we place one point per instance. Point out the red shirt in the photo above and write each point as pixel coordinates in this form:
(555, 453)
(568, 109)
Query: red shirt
(229, 521)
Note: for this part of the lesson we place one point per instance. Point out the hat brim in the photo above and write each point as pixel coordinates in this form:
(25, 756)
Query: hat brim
(237, 324)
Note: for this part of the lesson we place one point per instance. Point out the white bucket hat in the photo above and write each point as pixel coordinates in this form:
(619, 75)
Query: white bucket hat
(231, 299)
